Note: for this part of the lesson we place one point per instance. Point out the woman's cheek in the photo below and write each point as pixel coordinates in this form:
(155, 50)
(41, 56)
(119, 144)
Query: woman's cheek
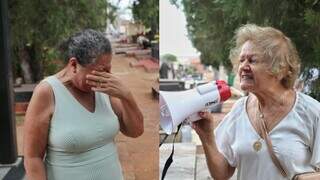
(85, 86)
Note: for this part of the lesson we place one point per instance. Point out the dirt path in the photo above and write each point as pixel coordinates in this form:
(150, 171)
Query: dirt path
(143, 151)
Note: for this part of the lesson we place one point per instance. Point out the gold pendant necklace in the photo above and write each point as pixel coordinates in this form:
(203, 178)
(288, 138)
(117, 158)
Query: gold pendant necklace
(257, 145)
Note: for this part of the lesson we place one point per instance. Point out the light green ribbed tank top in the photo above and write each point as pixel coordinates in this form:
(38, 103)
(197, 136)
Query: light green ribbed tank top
(81, 143)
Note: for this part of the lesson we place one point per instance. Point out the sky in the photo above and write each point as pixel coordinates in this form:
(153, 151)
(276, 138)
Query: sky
(173, 32)
(125, 12)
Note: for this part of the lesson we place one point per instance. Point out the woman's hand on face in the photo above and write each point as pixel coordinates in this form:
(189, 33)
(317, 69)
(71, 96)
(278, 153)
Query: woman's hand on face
(205, 126)
(107, 83)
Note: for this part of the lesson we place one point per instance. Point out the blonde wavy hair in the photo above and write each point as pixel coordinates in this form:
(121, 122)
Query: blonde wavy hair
(278, 52)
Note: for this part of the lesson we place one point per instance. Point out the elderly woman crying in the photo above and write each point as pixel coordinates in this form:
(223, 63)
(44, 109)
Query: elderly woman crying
(274, 132)
(74, 115)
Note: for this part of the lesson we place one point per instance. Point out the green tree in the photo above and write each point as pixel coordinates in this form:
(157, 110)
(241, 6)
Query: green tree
(112, 12)
(37, 27)
(169, 57)
(211, 25)
(147, 12)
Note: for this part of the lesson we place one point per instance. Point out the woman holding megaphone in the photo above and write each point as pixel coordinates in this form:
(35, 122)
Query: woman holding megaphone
(274, 132)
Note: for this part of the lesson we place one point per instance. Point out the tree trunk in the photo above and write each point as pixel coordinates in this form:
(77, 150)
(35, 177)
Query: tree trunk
(36, 62)
(25, 65)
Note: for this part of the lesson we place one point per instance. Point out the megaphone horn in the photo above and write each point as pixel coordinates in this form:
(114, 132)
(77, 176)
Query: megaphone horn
(179, 106)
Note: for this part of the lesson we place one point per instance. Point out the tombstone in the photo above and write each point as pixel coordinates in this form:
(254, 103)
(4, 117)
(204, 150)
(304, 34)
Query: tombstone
(155, 50)
(164, 69)
(171, 85)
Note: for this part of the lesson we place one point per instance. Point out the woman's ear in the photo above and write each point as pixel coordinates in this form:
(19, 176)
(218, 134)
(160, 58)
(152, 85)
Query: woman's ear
(73, 64)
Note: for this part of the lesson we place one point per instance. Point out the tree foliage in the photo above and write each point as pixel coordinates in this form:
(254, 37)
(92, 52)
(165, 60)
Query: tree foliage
(38, 26)
(112, 12)
(147, 12)
(169, 57)
(211, 25)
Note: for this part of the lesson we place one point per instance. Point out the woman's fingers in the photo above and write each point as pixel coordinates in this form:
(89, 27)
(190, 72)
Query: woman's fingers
(92, 83)
(205, 114)
(101, 85)
(198, 127)
(194, 125)
(97, 83)
(101, 80)
(205, 124)
(96, 78)
(102, 73)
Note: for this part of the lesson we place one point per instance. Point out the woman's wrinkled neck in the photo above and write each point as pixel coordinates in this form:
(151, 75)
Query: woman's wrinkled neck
(66, 75)
(273, 96)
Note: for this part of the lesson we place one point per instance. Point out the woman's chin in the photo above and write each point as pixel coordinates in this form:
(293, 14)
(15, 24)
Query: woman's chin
(86, 89)
(246, 87)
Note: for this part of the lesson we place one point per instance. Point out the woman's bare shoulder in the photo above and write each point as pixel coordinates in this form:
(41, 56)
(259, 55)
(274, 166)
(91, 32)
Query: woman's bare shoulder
(43, 91)
(42, 98)
(43, 88)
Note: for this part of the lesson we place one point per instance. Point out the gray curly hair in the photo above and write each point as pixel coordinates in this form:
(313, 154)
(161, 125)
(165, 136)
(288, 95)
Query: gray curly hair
(85, 46)
(279, 53)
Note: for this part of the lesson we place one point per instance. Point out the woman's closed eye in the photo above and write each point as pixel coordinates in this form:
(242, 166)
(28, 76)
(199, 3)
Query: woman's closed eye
(250, 60)
(253, 60)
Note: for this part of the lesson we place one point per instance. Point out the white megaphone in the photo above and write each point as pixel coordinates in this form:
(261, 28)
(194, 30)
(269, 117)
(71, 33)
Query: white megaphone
(179, 106)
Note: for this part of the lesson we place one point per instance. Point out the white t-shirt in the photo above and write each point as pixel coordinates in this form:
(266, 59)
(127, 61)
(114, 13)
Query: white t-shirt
(296, 141)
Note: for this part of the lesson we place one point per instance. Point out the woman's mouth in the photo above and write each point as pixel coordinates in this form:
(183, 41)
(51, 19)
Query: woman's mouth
(246, 77)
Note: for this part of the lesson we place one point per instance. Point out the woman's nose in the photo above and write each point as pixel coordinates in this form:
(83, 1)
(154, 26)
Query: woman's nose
(245, 65)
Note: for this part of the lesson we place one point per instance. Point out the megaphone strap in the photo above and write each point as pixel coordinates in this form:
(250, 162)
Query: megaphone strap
(164, 139)
(170, 158)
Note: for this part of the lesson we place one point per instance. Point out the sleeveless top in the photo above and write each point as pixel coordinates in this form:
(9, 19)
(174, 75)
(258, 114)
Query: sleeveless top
(81, 143)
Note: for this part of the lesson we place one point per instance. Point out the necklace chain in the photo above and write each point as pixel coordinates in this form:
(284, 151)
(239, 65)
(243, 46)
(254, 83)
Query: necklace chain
(275, 116)
(261, 123)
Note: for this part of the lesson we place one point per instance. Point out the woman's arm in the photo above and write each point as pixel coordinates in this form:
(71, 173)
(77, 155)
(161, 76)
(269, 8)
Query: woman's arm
(36, 125)
(130, 116)
(218, 166)
(122, 101)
